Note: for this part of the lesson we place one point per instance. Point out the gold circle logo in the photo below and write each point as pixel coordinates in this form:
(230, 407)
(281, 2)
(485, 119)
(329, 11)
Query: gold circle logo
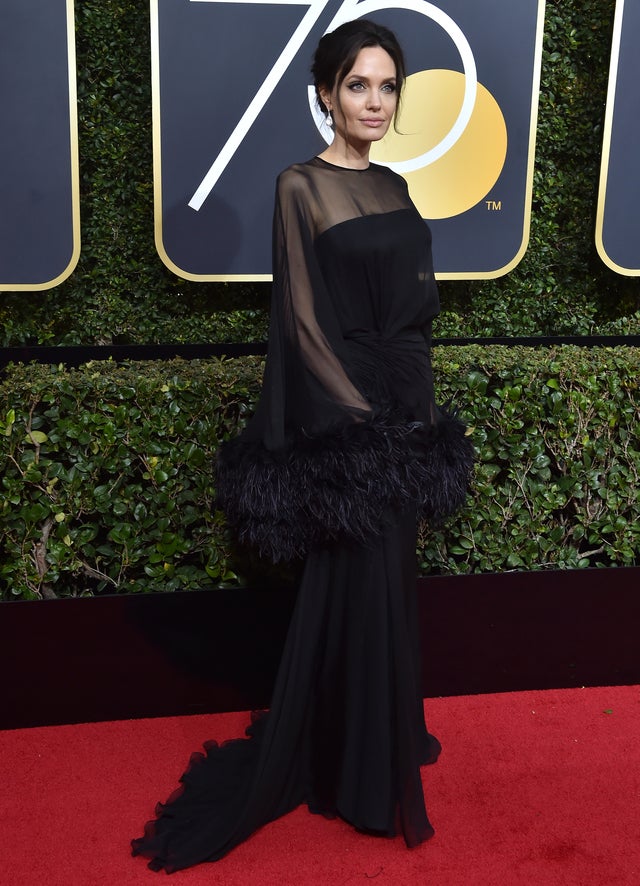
(461, 177)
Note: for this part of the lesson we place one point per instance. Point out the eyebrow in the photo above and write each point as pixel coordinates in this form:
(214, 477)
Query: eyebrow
(361, 77)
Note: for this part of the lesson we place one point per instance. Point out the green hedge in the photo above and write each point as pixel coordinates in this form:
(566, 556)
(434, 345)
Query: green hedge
(122, 293)
(107, 469)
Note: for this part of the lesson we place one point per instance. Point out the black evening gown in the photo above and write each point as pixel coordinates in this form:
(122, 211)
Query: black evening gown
(346, 450)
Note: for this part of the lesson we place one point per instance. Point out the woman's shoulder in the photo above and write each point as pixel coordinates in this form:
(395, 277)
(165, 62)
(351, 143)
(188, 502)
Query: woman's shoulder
(295, 177)
(393, 178)
(294, 186)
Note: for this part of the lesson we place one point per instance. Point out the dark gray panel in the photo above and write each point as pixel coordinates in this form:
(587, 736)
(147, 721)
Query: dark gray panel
(36, 199)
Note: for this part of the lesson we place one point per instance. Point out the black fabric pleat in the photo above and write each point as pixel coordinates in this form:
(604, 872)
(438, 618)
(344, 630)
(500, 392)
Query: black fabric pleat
(345, 732)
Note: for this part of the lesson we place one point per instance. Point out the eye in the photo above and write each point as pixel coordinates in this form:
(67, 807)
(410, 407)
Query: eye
(389, 87)
(356, 86)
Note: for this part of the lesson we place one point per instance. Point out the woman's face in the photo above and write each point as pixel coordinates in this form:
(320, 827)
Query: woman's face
(365, 102)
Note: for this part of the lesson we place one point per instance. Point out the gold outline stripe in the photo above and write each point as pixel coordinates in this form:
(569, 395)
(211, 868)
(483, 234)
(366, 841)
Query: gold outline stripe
(606, 146)
(245, 278)
(75, 167)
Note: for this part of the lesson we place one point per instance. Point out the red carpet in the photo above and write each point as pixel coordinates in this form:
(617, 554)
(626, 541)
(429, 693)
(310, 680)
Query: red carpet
(532, 789)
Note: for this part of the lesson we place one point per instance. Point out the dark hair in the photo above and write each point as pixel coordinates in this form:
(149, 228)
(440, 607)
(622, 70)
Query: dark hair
(337, 52)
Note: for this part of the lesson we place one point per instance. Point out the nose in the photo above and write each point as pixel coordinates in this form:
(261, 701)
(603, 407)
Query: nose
(373, 99)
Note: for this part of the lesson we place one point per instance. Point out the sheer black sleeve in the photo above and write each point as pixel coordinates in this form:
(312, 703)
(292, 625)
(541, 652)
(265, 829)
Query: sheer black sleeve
(302, 308)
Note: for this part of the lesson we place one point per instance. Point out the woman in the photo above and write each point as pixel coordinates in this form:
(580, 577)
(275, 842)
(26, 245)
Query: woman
(346, 447)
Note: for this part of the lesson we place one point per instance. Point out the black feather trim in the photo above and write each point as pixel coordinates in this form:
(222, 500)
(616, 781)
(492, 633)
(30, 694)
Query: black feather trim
(341, 484)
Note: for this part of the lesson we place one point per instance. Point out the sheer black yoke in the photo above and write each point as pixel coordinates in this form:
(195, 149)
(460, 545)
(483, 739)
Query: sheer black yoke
(347, 424)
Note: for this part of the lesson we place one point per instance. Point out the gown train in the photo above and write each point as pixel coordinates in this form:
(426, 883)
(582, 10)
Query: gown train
(345, 732)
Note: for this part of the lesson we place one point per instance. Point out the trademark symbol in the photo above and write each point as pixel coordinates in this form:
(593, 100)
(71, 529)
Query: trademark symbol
(494, 205)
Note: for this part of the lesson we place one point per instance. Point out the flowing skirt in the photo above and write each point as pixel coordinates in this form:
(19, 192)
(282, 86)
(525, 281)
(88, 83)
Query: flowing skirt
(345, 732)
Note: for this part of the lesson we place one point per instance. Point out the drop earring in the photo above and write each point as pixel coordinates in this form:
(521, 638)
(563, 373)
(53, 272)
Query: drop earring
(329, 120)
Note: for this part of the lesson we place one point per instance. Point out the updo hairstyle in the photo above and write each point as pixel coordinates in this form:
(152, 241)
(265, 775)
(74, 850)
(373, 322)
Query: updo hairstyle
(337, 52)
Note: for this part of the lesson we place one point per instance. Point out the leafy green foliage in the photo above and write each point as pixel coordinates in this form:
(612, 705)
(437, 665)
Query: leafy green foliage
(557, 433)
(107, 481)
(107, 476)
(106, 470)
(121, 292)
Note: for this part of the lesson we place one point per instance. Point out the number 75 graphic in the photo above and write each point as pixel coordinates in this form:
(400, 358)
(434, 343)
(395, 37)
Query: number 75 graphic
(350, 9)
(222, 132)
